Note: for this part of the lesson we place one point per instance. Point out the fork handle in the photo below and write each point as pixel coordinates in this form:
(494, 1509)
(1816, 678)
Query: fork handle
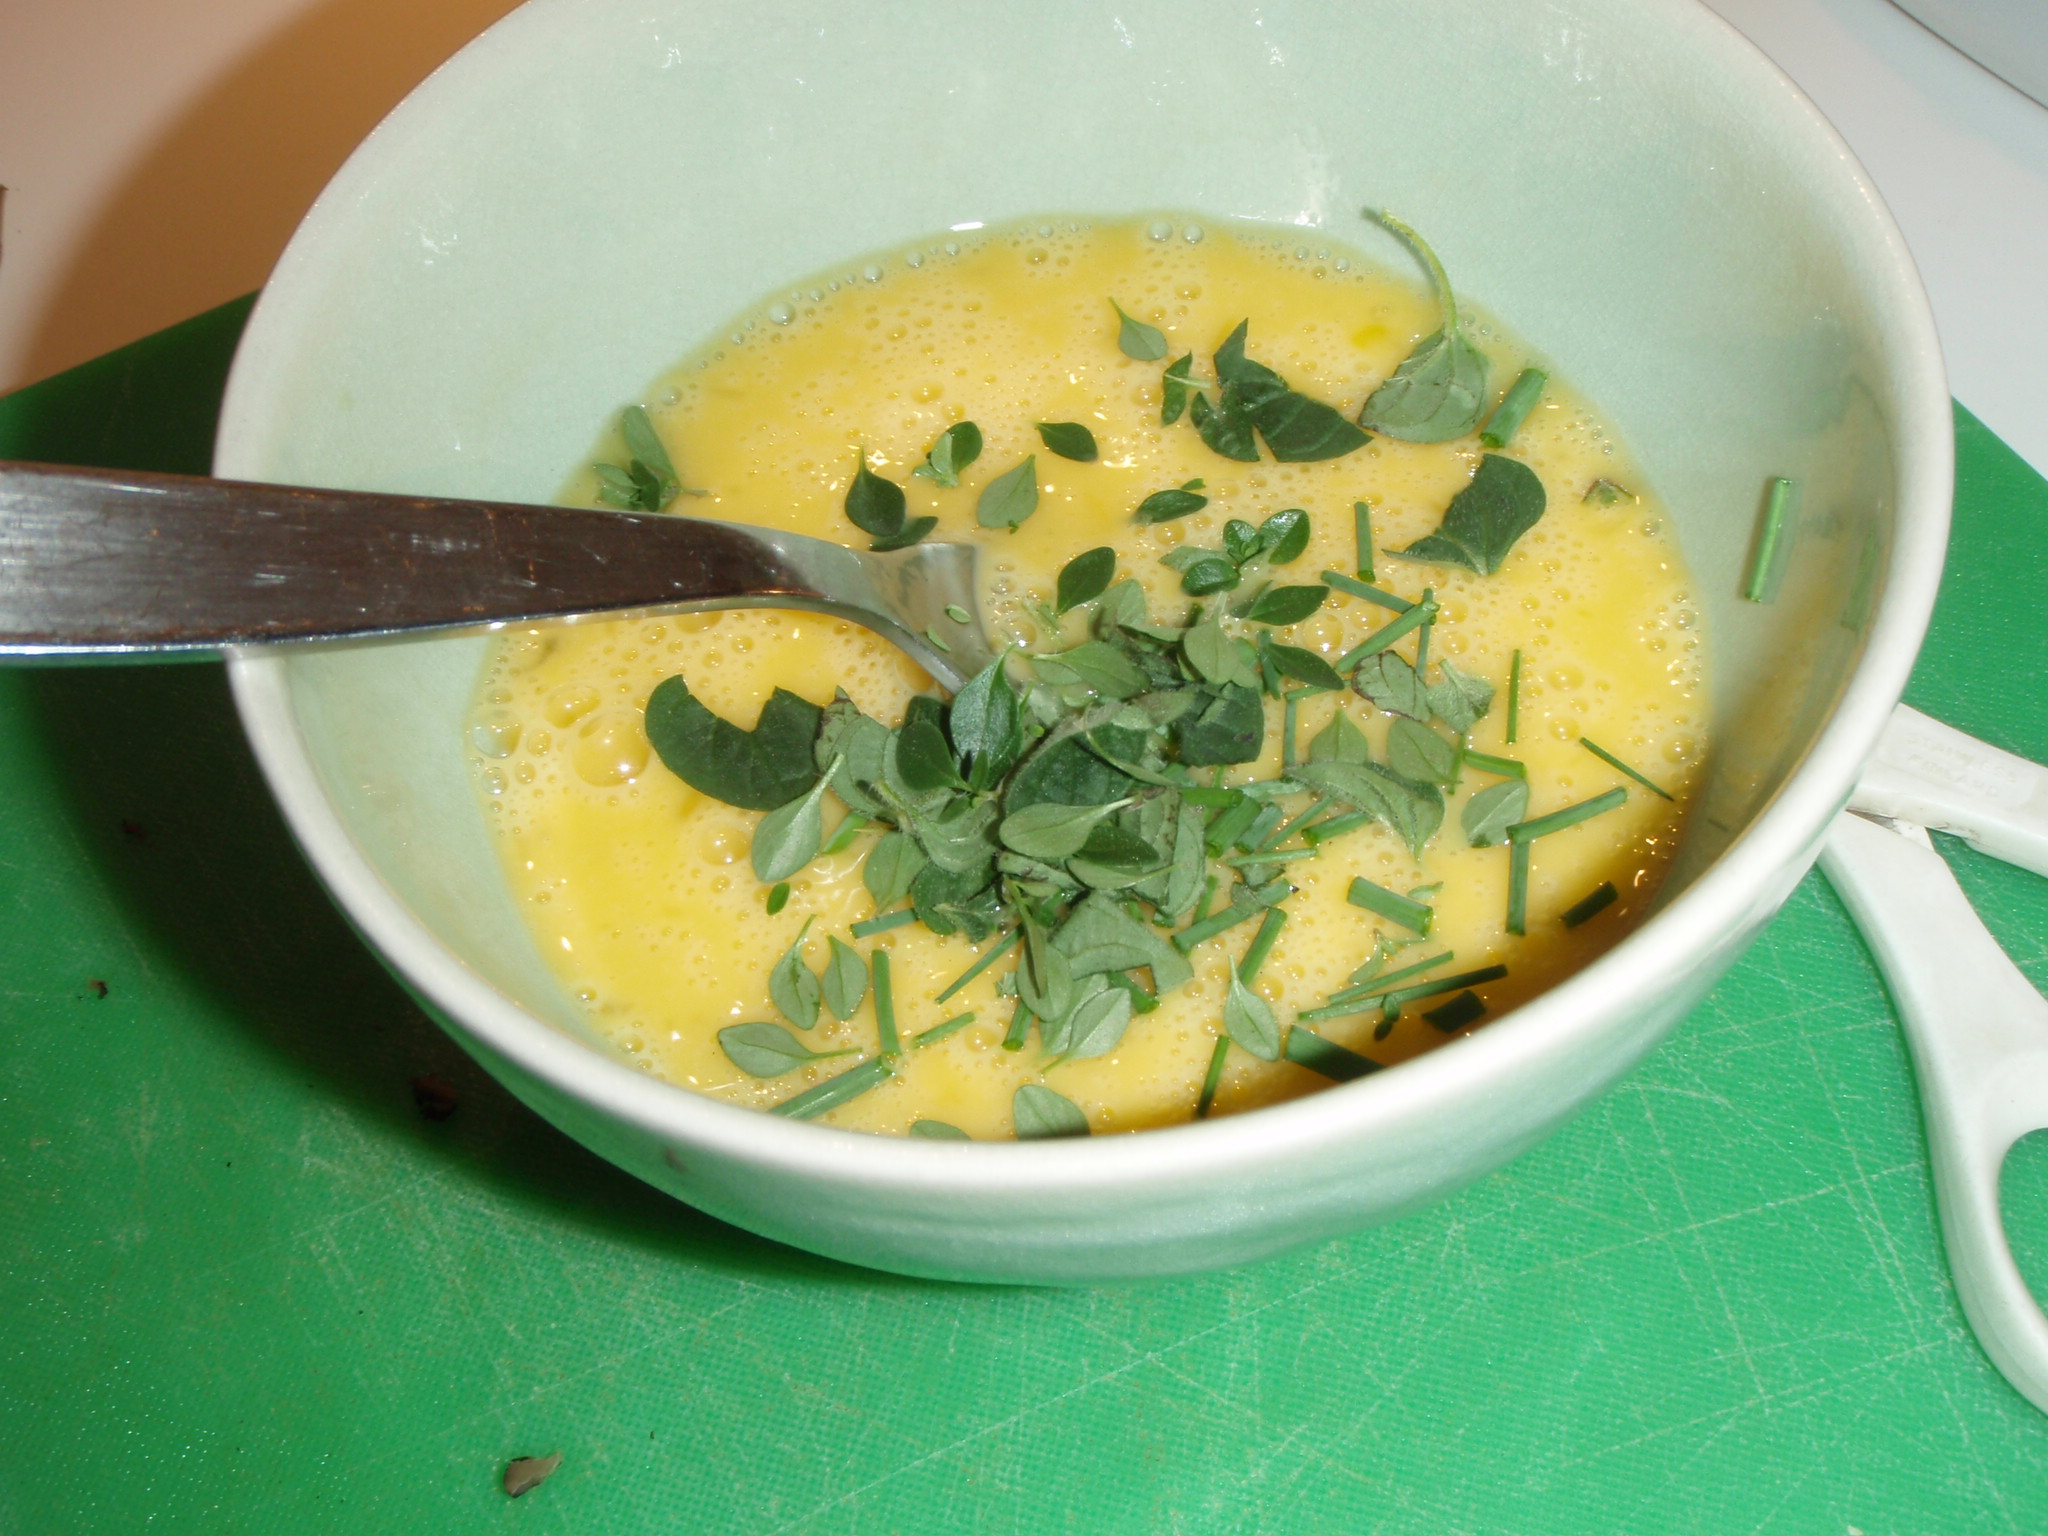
(1978, 1034)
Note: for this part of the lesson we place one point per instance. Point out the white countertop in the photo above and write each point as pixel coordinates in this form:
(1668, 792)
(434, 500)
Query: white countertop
(157, 154)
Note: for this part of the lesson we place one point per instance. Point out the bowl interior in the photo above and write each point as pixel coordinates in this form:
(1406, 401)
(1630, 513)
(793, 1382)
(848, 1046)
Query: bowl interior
(596, 185)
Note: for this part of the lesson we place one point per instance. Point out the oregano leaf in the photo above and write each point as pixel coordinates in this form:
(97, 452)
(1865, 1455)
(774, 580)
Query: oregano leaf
(1503, 502)
(1414, 751)
(890, 867)
(874, 505)
(1438, 391)
(1164, 506)
(1084, 578)
(1137, 340)
(1009, 498)
(789, 836)
(955, 448)
(1070, 440)
(1488, 814)
(791, 985)
(1284, 536)
(845, 981)
(1041, 1114)
(768, 1050)
(1248, 1020)
(1287, 605)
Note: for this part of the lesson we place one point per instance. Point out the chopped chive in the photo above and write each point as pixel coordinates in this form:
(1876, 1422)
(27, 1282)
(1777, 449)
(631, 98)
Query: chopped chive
(1612, 761)
(1273, 892)
(1259, 856)
(1385, 1027)
(835, 1091)
(1230, 823)
(933, 636)
(1361, 523)
(1416, 969)
(1374, 985)
(1395, 999)
(1208, 895)
(882, 924)
(1020, 1026)
(987, 960)
(1773, 538)
(885, 1004)
(1290, 719)
(1201, 932)
(1461, 1010)
(1335, 827)
(1422, 638)
(958, 614)
(1570, 816)
(938, 1032)
(1338, 581)
(1281, 833)
(1518, 887)
(1592, 906)
(1502, 767)
(849, 828)
(1421, 613)
(1415, 916)
(1261, 944)
(1254, 836)
(1214, 1078)
(1514, 408)
(1198, 794)
(1514, 696)
(778, 897)
(1306, 1048)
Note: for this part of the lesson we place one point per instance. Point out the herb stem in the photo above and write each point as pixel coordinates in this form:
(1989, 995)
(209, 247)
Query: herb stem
(1446, 300)
(885, 1004)
(1020, 1026)
(1501, 767)
(1337, 581)
(1361, 523)
(1420, 614)
(1209, 927)
(1413, 915)
(1518, 887)
(835, 1091)
(1570, 816)
(1422, 638)
(1213, 1079)
(1290, 718)
(1262, 856)
(1592, 906)
(1612, 761)
(938, 1032)
(883, 923)
(1306, 1048)
(1766, 568)
(1514, 696)
(1261, 944)
(1009, 942)
(1208, 895)
(1514, 408)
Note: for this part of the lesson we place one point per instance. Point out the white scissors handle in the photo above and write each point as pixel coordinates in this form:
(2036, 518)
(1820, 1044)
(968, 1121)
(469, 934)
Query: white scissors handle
(1935, 776)
(1978, 1033)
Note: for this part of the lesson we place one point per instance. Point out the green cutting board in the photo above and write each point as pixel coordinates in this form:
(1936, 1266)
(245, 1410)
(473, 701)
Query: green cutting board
(246, 1286)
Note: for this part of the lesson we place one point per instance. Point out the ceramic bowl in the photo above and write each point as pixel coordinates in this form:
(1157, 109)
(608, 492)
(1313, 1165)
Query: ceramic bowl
(589, 189)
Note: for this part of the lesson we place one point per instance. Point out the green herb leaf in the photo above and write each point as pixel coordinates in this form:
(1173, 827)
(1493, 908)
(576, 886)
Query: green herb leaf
(1164, 506)
(1240, 541)
(1230, 727)
(987, 725)
(1304, 666)
(846, 979)
(756, 770)
(938, 1130)
(1503, 502)
(1459, 700)
(1009, 498)
(778, 897)
(1339, 742)
(1389, 682)
(789, 836)
(956, 448)
(1287, 605)
(1605, 493)
(1414, 811)
(1248, 1020)
(874, 505)
(1416, 752)
(1040, 1114)
(1050, 831)
(792, 987)
(1488, 814)
(1300, 430)
(890, 867)
(924, 760)
(1439, 390)
(1097, 1024)
(1137, 340)
(768, 1050)
(956, 903)
(1174, 389)
(1099, 936)
(1226, 428)
(1084, 578)
(1063, 769)
(1070, 440)
(1208, 573)
(912, 532)
(1284, 535)
(1095, 665)
(860, 746)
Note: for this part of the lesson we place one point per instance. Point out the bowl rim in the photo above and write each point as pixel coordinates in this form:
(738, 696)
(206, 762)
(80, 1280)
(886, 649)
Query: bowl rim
(1779, 841)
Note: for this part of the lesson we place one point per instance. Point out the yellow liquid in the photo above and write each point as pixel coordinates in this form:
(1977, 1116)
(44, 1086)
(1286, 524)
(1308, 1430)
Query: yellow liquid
(640, 890)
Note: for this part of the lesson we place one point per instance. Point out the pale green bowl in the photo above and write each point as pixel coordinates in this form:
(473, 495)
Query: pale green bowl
(584, 193)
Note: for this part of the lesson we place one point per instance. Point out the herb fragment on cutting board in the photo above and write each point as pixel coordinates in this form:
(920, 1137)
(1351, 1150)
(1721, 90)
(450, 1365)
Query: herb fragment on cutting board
(523, 1474)
(1439, 390)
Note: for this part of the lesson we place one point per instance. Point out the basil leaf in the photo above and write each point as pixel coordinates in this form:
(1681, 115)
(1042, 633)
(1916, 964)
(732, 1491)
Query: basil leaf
(1064, 771)
(1390, 682)
(938, 1130)
(1248, 1020)
(1287, 605)
(1503, 502)
(789, 836)
(1097, 1024)
(1339, 742)
(956, 448)
(861, 745)
(1231, 728)
(960, 839)
(912, 532)
(949, 903)
(1460, 699)
(768, 1050)
(1297, 429)
(1095, 665)
(890, 867)
(1068, 439)
(1240, 541)
(846, 979)
(1009, 498)
(1173, 390)
(1488, 814)
(1145, 343)
(1084, 578)
(1304, 666)
(756, 770)
(1165, 506)
(1226, 427)
(1439, 390)
(874, 505)
(924, 760)
(1300, 430)
(792, 987)
(1051, 831)
(1099, 937)
(1040, 1114)
(986, 725)
(1416, 752)
(1284, 536)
